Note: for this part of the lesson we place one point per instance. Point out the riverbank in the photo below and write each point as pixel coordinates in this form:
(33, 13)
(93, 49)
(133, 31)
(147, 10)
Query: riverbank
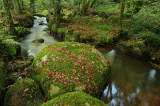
(102, 32)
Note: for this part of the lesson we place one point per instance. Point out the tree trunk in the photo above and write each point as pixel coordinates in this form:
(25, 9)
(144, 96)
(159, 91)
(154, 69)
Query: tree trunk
(57, 12)
(121, 13)
(17, 6)
(32, 6)
(9, 17)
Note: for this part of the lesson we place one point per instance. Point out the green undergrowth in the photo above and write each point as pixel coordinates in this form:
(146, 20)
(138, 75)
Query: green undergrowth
(65, 67)
(92, 29)
(24, 92)
(21, 31)
(74, 99)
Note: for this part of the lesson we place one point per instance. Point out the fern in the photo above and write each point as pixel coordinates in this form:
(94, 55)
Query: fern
(8, 46)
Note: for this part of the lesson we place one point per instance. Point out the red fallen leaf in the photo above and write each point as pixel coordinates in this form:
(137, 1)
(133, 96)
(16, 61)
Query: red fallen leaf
(34, 101)
(71, 77)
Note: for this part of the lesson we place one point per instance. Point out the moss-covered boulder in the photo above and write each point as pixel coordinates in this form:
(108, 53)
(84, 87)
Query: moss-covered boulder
(74, 99)
(63, 67)
(24, 92)
(145, 45)
(3, 73)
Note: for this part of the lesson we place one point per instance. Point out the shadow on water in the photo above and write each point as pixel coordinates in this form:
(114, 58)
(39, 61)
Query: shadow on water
(132, 81)
(37, 32)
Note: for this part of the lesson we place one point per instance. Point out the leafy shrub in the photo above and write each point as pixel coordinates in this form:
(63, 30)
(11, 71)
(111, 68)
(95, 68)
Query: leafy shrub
(8, 46)
(145, 20)
(150, 39)
(62, 31)
(109, 39)
(21, 30)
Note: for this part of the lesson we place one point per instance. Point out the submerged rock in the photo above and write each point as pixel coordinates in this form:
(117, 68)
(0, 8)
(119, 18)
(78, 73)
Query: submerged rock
(24, 92)
(73, 99)
(64, 67)
(40, 40)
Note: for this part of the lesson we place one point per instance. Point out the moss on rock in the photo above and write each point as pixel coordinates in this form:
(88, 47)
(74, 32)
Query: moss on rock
(24, 92)
(74, 99)
(63, 67)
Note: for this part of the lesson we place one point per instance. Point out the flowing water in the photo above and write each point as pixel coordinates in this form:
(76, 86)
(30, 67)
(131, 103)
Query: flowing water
(37, 31)
(132, 81)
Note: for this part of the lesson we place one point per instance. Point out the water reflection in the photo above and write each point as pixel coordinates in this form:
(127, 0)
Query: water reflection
(37, 31)
(132, 82)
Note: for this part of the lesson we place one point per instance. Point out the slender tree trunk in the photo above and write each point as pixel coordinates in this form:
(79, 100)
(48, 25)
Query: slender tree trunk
(57, 12)
(9, 16)
(121, 13)
(17, 6)
(32, 6)
(22, 5)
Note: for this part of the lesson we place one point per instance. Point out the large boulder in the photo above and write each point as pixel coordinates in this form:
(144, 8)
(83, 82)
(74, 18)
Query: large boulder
(24, 92)
(74, 99)
(63, 67)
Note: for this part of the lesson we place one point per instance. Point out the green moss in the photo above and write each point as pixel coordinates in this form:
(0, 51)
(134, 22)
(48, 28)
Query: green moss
(144, 40)
(103, 39)
(24, 92)
(114, 19)
(74, 99)
(109, 39)
(62, 31)
(103, 27)
(63, 67)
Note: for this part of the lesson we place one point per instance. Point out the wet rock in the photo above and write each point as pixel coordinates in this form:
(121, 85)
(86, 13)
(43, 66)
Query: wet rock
(73, 99)
(24, 92)
(64, 67)
(13, 77)
(40, 40)
(42, 23)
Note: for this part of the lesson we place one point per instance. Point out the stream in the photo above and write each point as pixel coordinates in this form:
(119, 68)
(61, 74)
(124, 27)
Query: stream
(29, 48)
(132, 81)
